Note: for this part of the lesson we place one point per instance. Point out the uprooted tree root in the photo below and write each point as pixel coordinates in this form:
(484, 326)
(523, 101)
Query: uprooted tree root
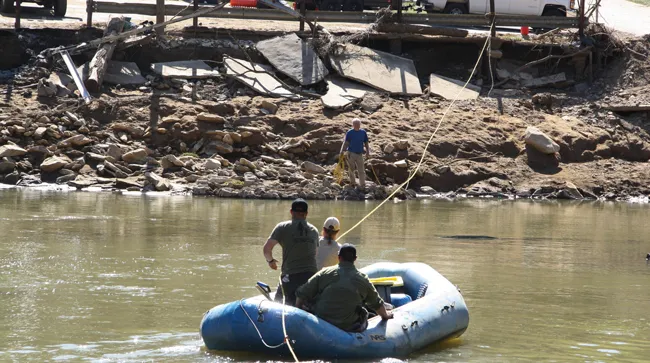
(326, 44)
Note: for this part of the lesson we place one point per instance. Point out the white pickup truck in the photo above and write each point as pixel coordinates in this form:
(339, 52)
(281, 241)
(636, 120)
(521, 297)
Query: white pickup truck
(512, 7)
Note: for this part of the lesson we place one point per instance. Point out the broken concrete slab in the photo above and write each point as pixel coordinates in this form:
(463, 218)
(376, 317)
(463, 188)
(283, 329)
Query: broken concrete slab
(255, 76)
(124, 73)
(341, 92)
(294, 57)
(544, 81)
(184, 69)
(380, 70)
(451, 89)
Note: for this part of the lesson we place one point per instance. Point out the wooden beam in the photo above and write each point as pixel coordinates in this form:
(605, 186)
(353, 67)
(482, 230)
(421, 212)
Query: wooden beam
(99, 63)
(160, 15)
(90, 7)
(420, 29)
(18, 11)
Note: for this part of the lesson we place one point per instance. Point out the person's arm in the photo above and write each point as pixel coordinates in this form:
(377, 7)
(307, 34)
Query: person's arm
(372, 299)
(308, 291)
(268, 253)
(385, 314)
(345, 145)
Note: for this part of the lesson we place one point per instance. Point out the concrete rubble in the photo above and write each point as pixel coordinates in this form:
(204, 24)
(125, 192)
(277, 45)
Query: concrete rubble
(380, 70)
(256, 77)
(184, 69)
(124, 73)
(183, 127)
(294, 57)
(341, 92)
(452, 89)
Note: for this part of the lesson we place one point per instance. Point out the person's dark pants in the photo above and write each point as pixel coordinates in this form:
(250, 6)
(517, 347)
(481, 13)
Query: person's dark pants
(291, 283)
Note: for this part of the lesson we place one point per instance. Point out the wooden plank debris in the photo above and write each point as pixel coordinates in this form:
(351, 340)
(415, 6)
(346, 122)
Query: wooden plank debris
(544, 81)
(77, 80)
(420, 29)
(99, 63)
(628, 108)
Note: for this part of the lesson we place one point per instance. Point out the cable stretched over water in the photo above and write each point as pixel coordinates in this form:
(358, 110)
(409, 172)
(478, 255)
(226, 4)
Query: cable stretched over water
(426, 147)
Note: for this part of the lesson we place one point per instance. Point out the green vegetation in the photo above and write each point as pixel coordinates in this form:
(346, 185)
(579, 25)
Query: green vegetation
(190, 154)
(642, 2)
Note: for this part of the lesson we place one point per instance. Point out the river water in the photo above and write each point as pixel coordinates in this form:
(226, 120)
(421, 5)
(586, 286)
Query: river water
(108, 277)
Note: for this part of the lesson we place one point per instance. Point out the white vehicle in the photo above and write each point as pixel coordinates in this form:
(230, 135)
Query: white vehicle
(511, 7)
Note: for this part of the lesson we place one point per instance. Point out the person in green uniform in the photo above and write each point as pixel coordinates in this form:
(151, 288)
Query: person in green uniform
(338, 294)
(299, 240)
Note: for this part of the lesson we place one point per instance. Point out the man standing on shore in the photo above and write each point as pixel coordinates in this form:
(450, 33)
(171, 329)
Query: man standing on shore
(299, 240)
(353, 148)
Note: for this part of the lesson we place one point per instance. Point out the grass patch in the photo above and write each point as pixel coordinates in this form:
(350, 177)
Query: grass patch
(642, 2)
(190, 155)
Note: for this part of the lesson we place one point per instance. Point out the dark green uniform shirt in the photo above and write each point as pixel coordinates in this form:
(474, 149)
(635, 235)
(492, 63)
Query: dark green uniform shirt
(299, 240)
(337, 291)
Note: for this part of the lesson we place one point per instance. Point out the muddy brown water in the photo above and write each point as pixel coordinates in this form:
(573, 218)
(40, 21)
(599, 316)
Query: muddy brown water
(106, 277)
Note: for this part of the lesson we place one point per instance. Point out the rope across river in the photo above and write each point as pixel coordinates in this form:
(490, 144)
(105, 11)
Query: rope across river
(340, 168)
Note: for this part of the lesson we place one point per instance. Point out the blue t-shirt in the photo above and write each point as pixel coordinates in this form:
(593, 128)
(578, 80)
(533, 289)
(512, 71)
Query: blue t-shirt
(356, 140)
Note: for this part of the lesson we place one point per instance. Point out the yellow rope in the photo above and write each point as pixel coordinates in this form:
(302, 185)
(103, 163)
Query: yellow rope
(339, 170)
(417, 168)
(284, 326)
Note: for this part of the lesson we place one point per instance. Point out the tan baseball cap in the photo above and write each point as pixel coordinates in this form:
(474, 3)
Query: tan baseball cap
(332, 223)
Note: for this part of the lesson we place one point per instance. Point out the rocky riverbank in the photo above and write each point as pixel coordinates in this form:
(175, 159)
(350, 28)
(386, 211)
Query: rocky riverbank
(230, 143)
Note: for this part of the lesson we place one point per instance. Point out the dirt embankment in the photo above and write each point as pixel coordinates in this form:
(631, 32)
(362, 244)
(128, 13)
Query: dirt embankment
(233, 143)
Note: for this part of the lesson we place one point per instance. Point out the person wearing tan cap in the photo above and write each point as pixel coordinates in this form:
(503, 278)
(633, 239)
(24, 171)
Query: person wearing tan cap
(327, 253)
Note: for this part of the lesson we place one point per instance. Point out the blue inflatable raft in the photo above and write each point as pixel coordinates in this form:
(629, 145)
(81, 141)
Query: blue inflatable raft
(428, 309)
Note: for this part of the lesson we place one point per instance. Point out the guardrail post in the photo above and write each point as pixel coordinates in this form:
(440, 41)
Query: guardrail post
(581, 26)
(160, 15)
(303, 10)
(89, 12)
(399, 11)
(195, 21)
(17, 24)
(493, 14)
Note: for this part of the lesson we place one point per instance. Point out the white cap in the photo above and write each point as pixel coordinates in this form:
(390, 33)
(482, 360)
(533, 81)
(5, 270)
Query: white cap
(332, 224)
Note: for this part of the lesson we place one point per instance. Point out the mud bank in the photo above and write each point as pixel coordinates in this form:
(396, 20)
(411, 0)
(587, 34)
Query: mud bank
(219, 138)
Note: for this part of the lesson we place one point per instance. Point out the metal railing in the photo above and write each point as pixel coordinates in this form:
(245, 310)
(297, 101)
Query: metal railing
(336, 16)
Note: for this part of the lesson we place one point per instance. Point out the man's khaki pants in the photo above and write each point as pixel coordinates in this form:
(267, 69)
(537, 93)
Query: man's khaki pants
(355, 162)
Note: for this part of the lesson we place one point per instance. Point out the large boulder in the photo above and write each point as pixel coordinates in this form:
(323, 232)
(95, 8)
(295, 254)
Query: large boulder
(138, 156)
(540, 141)
(76, 140)
(216, 146)
(10, 150)
(211, 118)
(212, 164)
(312, 168)
(158, 182)
(53, 164)
(7, 166)
(170, 161)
